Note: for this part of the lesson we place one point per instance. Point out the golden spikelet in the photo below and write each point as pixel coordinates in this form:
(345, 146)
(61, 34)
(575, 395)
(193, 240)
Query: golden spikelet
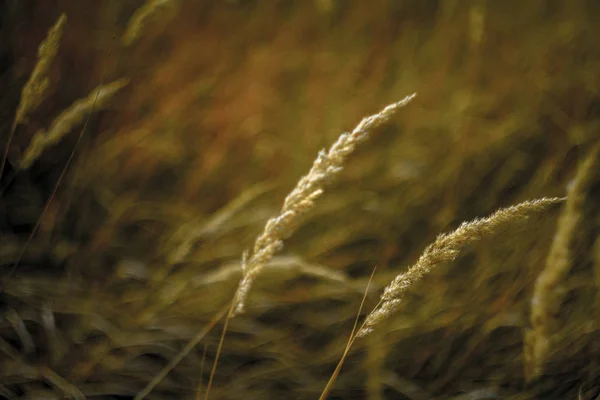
(301, 199)
(68, 119)
(140, 18)
(548, 293)
(35, 89)
(446, 248)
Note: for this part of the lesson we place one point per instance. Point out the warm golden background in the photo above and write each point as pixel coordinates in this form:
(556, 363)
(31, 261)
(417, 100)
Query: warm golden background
(228, 103)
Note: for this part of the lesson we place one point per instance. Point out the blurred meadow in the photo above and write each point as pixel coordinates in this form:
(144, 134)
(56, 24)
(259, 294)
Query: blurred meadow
(147, 143)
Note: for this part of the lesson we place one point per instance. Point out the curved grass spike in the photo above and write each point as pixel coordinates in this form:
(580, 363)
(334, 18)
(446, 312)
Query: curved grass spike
(140, 18)
(548, 291)
(70, 117)
(302, 198)
(445, 248)
(34, 91)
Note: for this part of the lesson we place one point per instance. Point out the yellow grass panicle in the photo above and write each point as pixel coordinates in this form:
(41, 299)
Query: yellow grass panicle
(35, 89)
(446, 248)
(325, 167)
(68, 119)
(548, 291)
(140, 18)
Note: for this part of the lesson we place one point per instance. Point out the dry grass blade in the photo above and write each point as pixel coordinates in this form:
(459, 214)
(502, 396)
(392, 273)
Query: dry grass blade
(288, 264)
(188, 347)
(199, 387)
(34, 90)
(446, 248)
(548, 293)
(301, 199)
(58, 381)
(219, 349)
(140, 18)
(68, 119)
(349, 344)
(27, 343)
(46, 373)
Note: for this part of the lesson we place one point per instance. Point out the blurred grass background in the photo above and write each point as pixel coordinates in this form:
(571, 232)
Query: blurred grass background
(227, 106)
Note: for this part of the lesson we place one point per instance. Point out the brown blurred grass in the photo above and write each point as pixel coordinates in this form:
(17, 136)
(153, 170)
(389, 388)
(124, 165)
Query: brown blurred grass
(228, 103)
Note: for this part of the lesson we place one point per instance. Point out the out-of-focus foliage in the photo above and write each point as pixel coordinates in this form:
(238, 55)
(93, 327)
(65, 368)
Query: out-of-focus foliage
(228, 103)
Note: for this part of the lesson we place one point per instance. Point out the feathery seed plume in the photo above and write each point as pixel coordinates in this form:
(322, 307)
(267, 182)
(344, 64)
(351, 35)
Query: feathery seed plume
(34, 91)
(446, 248)
(301, 199)
(68, 119)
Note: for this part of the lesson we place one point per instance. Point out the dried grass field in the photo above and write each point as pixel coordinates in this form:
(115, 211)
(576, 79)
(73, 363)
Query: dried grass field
(278, 199)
